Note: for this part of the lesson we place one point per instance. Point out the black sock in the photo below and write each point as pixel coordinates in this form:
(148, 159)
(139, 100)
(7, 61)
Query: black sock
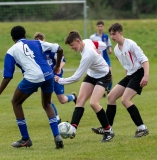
(77, 115)
(111, 112)
(103, 118)
(135, 115)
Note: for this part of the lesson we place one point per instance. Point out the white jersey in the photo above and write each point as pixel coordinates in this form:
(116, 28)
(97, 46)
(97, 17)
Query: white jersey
(91, 62)
(28, 56)
(131, 56)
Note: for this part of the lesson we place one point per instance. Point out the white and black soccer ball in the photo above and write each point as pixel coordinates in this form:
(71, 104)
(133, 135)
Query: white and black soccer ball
(66, 130)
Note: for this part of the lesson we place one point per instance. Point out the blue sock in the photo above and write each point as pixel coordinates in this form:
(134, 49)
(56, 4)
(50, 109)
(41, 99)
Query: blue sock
(70, 97)
(23, 128)
(110, 86)
(55, 109)
(56, 113)
(54, 126)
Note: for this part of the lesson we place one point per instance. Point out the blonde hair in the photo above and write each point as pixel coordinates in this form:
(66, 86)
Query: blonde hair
(39, 36)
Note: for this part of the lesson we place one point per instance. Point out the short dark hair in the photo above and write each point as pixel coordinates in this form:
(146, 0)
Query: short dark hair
(100, 23)
(72, 36)
(116, 27)
(18, 32)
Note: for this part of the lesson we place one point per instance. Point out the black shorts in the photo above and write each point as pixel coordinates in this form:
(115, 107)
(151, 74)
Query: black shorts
(103, 81)
(133, 81)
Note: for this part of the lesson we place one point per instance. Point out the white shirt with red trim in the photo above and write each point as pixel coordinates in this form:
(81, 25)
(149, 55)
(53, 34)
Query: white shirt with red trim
(131, 56)
(91, 62)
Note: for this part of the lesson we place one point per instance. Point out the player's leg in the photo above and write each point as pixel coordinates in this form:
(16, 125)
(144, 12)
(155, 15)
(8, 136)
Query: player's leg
(114, 94)
(96, 96)
(110, 84)
(59, 90)
(46, 93)
(83, 96)
(131, 91)
(19, 97)
(56, 113)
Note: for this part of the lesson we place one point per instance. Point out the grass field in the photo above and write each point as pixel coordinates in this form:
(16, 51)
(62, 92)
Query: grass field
(86, 145)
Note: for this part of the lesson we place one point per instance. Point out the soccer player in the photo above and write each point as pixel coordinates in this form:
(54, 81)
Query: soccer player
(93, 86)
(51, 58)
(28, 56)
(136, 64)
(101, 36)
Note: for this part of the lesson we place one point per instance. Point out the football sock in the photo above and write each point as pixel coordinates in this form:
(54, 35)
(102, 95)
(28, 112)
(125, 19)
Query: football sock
(55, 109)
(141, 127)
(103, 118)
(56, 112)
(23, 128)
(111, 112)
(135, 115)
(77, 115)
(70, 97)
(54, 126)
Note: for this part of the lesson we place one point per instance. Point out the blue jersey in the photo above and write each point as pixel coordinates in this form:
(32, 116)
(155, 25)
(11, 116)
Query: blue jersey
(51, 58)
(28, 56)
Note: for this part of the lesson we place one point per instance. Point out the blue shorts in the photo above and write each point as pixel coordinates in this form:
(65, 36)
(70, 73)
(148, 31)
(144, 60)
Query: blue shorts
(58, 88)
(28, 87)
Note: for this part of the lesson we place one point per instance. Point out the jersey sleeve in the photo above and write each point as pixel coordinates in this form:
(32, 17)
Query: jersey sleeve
(53, 47)
(100, 45)
(141, 57)
(9, 66)
(85, 63)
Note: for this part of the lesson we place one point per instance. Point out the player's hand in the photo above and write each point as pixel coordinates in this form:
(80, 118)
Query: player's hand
(144, 81)
(56, 78)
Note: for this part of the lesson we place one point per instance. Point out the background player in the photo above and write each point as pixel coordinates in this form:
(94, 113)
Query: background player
(51, 58)
(101, 36)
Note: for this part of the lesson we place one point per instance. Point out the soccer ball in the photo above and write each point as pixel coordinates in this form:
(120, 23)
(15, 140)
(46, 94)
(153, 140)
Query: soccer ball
(66, 130)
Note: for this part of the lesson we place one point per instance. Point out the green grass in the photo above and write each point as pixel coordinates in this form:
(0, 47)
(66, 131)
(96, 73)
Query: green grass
(86, 145)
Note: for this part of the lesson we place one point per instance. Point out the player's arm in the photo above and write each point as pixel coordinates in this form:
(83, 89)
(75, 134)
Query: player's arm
(9, 67)
(4, 84)
(144, 80)
(58, 60)
(109, 50)
(83, 67)
(109, 46)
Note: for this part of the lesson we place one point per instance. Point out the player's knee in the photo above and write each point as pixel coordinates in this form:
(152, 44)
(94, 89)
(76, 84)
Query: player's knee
(111, 98)
(124, 101)
(93, 104)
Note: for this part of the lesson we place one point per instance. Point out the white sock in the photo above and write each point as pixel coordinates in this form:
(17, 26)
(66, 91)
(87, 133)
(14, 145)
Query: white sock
(141, 127)
(57, 117)
(73, 97)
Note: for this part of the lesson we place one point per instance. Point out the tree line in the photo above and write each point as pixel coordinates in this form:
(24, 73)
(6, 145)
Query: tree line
(97, 9)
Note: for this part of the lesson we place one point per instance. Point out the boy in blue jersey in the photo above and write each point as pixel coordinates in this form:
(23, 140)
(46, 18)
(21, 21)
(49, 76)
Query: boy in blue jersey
(28, 56)
(51, 58)
(100, 36)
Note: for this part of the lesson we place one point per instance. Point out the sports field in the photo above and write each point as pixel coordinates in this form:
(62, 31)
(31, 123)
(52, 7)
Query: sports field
(86, 145)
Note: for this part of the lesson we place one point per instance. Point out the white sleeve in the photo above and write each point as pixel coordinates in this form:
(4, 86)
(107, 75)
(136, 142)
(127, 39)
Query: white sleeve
(101, 46)
(141, 57)
(85, 63)
(53, 47)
